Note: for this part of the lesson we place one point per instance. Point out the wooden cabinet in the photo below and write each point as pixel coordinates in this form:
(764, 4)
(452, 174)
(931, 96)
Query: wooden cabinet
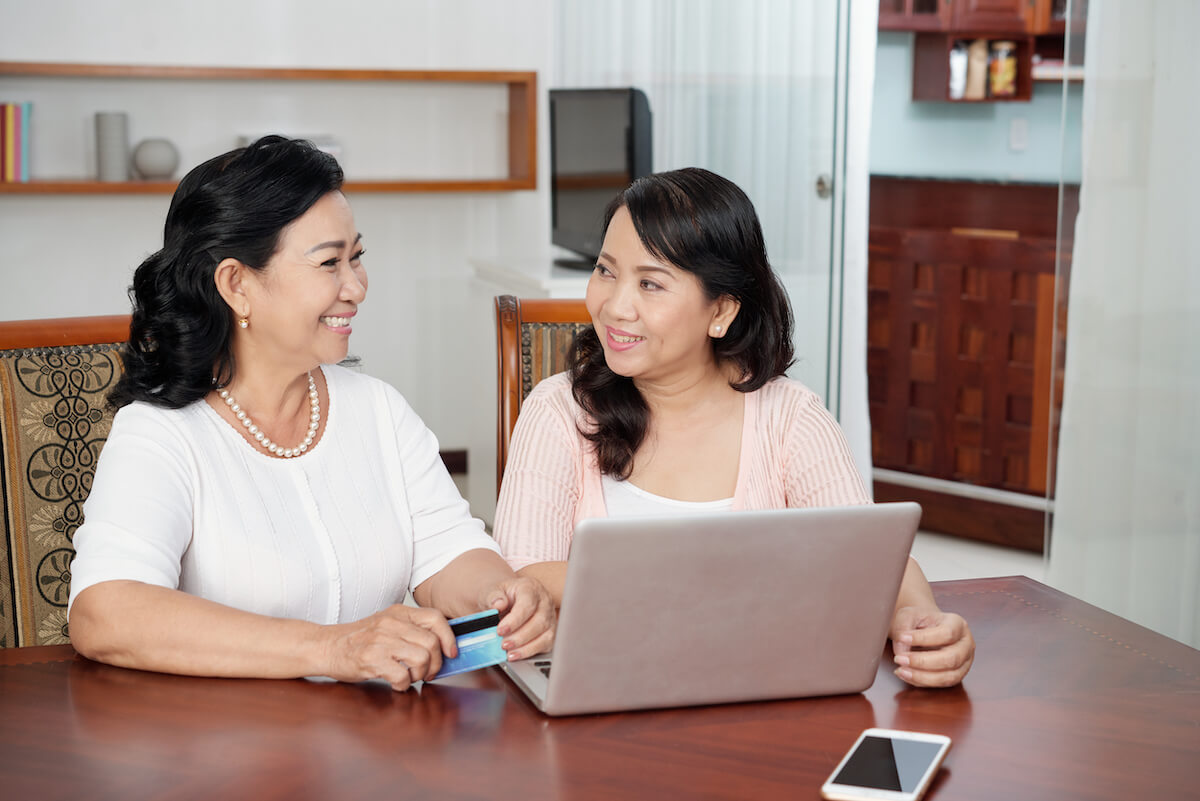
(1037, 29)
(993, 16)
(517, 101)
(1050, 17)
(931, 67)
(914, 15)
(958, 16)
(965, 321)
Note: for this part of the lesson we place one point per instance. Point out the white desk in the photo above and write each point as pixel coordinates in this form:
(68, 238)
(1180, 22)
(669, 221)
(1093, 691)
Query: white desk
(535, 277)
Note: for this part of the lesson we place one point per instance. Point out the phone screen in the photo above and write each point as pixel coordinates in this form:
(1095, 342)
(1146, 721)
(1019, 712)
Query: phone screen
(883, 763)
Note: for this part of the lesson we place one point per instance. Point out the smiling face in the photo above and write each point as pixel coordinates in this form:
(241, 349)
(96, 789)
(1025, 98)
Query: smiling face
(301, 306)
(653, 319)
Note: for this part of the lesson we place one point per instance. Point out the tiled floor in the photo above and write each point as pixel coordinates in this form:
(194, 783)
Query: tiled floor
(943, 557)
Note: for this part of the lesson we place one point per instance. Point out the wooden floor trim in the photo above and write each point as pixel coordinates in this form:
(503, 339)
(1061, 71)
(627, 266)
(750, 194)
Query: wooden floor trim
(970, 518)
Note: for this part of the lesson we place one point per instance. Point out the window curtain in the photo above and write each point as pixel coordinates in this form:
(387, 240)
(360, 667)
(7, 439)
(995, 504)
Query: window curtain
(1126, 528)
(750, 90)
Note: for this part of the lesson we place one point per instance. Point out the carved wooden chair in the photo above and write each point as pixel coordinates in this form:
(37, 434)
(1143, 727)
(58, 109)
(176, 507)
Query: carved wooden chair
(532, 339)
(55, 376)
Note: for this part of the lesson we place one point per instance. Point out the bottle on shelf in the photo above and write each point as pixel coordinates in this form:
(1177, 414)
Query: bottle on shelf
(977, 64)
(958, 70)
(1002, 69)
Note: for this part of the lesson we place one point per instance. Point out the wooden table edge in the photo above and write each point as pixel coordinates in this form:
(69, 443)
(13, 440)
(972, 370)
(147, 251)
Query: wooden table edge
(1117, 631)
(1067, 609)
(37, 654)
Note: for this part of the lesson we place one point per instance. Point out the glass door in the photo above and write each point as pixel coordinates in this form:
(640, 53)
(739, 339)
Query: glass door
(749, 90)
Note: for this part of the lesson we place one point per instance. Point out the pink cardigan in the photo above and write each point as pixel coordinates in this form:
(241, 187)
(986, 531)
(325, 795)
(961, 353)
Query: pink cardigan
(793, 454)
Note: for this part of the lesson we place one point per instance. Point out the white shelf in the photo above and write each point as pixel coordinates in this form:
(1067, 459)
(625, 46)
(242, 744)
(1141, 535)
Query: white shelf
(964, 490)
(1057, 72)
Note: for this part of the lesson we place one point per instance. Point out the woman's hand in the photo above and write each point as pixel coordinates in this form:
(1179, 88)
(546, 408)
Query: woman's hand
(526, 608)
(932, 648)
(400, 644)
(528, 618)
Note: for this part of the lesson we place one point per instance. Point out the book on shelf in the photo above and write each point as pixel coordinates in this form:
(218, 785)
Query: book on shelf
(14, 142)
(7, 117)
(27, 109)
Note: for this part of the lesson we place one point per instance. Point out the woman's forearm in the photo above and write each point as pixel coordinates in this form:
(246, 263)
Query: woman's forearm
(137, 625)
(462, 587)
(553, 575)
(914, 588)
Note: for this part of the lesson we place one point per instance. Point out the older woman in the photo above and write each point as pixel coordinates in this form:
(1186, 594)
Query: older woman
(675, 402)
(257, 509)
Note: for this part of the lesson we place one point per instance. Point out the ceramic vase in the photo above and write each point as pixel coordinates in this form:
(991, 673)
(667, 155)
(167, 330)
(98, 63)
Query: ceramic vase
(155, 159)
(112, 146)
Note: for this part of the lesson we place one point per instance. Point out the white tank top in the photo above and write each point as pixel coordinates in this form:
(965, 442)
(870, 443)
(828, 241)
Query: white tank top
(623, 499)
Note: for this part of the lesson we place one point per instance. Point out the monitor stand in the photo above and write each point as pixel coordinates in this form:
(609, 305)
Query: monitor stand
(576, 264)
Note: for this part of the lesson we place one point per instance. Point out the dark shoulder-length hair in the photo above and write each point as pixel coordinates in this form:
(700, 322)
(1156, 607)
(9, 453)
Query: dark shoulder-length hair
(233, 206)
(702, 223)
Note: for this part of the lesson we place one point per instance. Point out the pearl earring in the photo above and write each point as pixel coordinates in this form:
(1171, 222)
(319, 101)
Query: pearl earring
(717, 328)
(243, 323)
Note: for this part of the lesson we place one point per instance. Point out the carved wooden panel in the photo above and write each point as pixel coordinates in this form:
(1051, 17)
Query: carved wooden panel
(959, 362)
(965, 337)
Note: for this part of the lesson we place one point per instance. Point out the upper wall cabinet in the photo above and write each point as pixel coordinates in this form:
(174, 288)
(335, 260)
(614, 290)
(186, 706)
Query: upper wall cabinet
(1020, 36)
(979, 16)
(914, 15)
(992, 16)
(1051, 17)
(934, 52)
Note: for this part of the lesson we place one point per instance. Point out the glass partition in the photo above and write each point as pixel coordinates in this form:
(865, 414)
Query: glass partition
(1072, 15)
(1125, 530)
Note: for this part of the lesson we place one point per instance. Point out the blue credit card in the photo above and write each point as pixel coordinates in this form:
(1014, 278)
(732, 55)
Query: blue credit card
(478, 644)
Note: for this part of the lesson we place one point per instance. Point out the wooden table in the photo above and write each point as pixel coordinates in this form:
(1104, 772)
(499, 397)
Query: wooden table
(1065, 701)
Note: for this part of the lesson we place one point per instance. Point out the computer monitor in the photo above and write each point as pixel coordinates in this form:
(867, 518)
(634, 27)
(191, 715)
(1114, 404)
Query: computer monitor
(600, 142)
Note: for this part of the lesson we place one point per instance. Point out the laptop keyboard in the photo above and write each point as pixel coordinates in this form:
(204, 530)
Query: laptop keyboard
(544, 666)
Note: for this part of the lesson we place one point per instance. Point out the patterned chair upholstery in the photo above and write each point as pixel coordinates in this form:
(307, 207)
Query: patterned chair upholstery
(54, 380)
(532, 339)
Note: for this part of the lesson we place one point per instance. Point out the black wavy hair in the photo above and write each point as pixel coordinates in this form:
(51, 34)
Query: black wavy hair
(702, 223)
(233, 206)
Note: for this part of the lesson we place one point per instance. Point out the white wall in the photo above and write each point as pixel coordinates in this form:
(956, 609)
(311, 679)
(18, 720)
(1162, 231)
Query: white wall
(74, 255)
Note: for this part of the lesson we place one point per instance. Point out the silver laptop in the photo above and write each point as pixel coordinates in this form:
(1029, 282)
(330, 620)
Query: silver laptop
(737, 606)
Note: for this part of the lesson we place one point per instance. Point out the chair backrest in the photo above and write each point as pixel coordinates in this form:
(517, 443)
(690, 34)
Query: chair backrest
(54, 381)
(532, 339)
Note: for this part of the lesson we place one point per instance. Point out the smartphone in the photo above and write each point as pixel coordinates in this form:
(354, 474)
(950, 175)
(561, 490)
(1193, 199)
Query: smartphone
(887, 765)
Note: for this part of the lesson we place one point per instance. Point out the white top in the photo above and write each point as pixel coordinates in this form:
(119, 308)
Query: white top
(181, 500)
(625, 499)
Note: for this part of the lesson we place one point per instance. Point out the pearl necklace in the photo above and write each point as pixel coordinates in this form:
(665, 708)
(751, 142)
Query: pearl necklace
(265, 441)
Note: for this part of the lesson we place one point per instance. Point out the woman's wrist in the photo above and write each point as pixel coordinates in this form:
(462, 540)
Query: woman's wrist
(551, 575)
(317, 648)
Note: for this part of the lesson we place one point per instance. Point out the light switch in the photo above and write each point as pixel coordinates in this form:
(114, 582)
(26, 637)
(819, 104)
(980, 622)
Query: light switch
(1018, 134)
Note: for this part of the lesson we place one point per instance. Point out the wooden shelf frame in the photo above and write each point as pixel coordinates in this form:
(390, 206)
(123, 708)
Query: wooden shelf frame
(931, 67)
(522, 121)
